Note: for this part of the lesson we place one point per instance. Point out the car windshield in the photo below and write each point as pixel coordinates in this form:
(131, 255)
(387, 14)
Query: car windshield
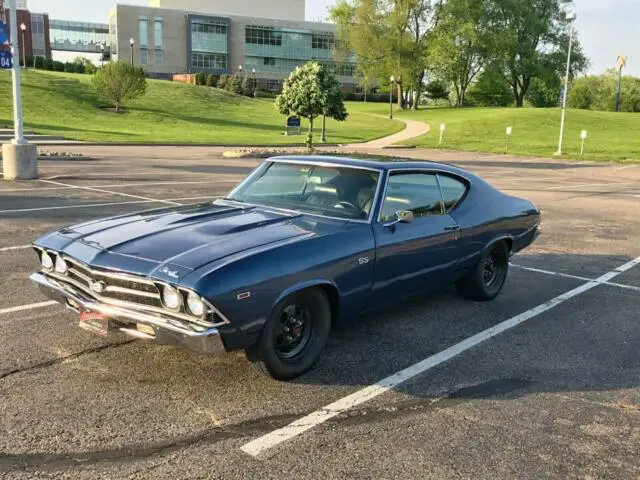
(332, 191)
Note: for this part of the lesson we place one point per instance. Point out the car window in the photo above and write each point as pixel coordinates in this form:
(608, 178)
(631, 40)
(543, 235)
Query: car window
(452, 191)
(340, 192)
(417, 192)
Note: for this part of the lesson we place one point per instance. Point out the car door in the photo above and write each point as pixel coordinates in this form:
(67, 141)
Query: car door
(411, 257)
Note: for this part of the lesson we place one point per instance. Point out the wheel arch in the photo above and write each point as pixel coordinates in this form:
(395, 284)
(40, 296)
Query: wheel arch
(507, 239)
(329, 288)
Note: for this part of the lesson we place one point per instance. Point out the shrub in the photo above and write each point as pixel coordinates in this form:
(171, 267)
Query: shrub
(262, 93)
(69, 67)
(58, 66)
(235, 85)
(119, 82)
(223, 81)
(545, 91)
(248, 87)
(490, 90)
(48, 64)
(212, 80)
(38, 62)
(201, 78)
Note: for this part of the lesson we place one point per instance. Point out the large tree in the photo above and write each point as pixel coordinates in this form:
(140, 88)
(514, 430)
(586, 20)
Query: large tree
(311, 91)
(532, 38)
(462, 43)
(388, 37)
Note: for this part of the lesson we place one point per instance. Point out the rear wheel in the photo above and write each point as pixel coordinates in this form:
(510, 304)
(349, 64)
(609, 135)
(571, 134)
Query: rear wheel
(293, 336)
(485, 281)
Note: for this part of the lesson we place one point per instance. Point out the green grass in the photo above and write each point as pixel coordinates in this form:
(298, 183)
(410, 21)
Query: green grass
(611, 136)
(66, 105)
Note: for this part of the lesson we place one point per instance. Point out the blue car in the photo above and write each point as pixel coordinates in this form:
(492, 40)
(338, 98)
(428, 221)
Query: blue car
(300, 244)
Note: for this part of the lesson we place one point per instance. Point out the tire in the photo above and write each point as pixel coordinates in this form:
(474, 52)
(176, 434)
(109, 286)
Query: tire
(293, 336)
(485, 281)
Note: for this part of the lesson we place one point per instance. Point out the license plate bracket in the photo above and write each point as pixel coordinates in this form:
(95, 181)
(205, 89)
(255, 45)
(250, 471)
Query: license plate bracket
(94, 322)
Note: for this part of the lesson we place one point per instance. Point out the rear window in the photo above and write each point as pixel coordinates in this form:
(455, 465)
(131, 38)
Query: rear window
(452, 191)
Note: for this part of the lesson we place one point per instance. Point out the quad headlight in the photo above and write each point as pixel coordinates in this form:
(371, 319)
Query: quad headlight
(61, 265)
(195, 304)
(171, 298)
(46, 261)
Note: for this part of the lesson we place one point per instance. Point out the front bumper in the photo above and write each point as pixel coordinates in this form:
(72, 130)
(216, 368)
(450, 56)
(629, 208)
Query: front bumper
(168, 331)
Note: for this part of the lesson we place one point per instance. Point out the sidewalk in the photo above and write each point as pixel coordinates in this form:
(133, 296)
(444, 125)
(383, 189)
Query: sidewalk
(412, 129)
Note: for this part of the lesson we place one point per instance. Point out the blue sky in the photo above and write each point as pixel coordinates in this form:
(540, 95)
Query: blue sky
(607, 27)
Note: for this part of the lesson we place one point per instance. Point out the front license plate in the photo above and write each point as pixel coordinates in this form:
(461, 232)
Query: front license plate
(94, 322)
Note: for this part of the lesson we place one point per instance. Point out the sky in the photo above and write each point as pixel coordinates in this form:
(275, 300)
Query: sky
(607, 28)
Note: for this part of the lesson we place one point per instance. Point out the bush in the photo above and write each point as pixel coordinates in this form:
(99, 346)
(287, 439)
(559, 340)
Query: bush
(223, 81)
(201, 78)
(371, 97)
(598, 92)
(545, 92)
(248, 87)
(58, 66)
(212, 80)
(262, 93)
(119, 82)
(235, 84)
(490, 90)
(69, 67)
(48, 64)
(38, 62)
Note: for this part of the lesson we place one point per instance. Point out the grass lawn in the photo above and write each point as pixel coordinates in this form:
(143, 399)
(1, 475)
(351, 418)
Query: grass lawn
(611, 136)
(66, 105)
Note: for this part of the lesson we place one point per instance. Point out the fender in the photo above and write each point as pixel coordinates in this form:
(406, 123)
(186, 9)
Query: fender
(315, 282)
(499, 239)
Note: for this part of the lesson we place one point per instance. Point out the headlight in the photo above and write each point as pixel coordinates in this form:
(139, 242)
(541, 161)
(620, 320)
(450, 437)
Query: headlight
(171, 298)
(195, 304)
(61, 265)
(46, 260)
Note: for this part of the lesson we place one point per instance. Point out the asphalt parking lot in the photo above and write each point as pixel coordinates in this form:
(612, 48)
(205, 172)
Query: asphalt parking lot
(556, 396)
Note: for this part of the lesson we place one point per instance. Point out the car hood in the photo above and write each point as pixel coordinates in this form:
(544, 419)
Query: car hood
(173, 242)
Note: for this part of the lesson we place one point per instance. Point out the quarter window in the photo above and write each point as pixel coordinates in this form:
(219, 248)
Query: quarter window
(417, 192)
(452, 191)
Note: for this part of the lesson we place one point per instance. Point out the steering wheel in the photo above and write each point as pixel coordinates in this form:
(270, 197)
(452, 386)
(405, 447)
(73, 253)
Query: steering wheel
(346, 205)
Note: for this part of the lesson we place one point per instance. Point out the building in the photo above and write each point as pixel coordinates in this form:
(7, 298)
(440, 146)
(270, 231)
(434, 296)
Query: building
(167, 41)
(35, 39)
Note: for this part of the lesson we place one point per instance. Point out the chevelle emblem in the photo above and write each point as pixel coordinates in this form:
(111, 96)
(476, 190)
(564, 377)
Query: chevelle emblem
(98, 287)
(171, 273)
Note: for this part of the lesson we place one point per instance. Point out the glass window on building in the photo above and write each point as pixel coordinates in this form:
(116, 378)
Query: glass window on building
(209, 61)
(37, 35)
(209, 35)
(144, 56)
(143, 32)
(157, 33)
(159, 57)
(269, 61)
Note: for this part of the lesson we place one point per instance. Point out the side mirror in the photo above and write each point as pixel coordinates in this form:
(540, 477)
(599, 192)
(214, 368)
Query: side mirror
(402, 216)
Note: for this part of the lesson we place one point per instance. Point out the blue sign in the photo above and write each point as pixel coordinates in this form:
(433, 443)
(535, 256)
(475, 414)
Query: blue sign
(6, 60)
(4, 38)
(293, 122)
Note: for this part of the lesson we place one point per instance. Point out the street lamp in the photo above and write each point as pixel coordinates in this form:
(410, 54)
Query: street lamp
(240, 69)
(23, 27)
(255, 82)
(101, 55)
(571, 17)
(132, 42)
(391, 82)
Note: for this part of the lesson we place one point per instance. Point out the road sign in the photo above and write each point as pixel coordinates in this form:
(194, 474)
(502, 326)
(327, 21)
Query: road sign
(6, 61)
(293, 125)
(621, 62)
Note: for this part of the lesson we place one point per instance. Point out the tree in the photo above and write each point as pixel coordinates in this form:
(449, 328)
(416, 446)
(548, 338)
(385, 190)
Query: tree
(436, 90)
(311, 91)
(119, 82)
(223, 81)
(388, 37)
(88, 66)
(333, 99)
(234, 84)
(532, 38)
(491, 89)
(248, 86)
(461, 43)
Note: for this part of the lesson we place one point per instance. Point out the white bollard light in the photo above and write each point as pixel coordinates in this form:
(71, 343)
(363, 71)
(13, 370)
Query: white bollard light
(583, 137)
(442, 129)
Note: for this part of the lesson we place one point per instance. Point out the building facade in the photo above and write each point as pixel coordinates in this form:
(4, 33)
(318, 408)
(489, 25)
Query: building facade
(278, 9)
(169, 41)
(34, 39)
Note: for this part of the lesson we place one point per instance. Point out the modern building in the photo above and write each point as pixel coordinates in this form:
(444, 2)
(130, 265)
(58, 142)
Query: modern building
(209, 36)
(33, 37)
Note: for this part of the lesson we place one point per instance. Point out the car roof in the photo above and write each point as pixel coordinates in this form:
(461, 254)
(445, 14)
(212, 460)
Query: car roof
(373, 163)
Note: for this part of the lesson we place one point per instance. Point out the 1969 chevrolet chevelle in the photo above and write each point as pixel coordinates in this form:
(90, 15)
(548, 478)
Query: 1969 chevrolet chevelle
(301, 243)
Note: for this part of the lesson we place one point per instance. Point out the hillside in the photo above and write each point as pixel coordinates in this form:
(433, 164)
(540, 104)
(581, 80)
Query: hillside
(611, 136)
(66, 104)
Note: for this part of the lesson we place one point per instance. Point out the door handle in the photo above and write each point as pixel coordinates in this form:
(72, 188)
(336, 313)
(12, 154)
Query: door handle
(452, 228)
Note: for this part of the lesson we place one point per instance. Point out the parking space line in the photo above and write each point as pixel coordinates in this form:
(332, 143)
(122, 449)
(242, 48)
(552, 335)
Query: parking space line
(270, 440)
(576, 277)
(139, 197)
(30, 306)
(174, 202)
(583, 185)
(11, 249)
(121, 185)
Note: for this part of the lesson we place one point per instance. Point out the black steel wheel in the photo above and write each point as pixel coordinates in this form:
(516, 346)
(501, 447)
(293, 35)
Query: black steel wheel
(293, 336)
(485, 281)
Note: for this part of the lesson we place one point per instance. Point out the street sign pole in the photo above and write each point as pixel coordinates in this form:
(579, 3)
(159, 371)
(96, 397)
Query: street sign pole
(15, 75)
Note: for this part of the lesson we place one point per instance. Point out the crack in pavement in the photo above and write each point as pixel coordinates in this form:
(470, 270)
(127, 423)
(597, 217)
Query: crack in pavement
(59, 360)
(56, 461)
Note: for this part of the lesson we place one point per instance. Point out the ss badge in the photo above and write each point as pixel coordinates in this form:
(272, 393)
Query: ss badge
(363, 260)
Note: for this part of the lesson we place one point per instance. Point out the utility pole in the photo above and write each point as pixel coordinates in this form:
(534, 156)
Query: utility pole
(620, 64)
(20, 158)
(566, 87)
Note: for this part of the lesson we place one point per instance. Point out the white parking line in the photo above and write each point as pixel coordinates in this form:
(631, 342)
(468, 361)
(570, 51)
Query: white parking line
(108, 204)
(20, 308)
(121, 185)
(11, 249)
(270, 440)
(139, 197)
(576, 277)
(583, 185)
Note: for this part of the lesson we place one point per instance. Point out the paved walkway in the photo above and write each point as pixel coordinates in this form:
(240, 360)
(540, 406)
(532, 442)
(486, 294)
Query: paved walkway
(412, 129)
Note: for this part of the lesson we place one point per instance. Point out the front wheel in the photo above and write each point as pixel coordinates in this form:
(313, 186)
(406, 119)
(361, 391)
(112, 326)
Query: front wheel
(485, 281)
(293, 336)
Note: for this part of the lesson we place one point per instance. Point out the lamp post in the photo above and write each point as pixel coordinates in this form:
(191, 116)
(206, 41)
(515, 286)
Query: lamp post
(255, 82)
(571, 18)
(23, 27)
(101, 55)
(132, 42)
(391, 82)
(240, 69)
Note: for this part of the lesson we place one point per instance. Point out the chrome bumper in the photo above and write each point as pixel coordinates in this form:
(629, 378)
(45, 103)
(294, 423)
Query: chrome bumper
(167, 331)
